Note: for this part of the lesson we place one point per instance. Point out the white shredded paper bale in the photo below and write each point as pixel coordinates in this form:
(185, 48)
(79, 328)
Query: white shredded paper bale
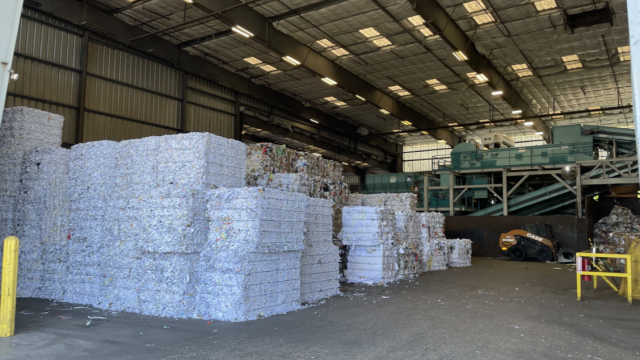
(434, 247)
(249, 267)
(409, 246)
(393, 201)
(319, 268)
(459, 252)
(370, 234)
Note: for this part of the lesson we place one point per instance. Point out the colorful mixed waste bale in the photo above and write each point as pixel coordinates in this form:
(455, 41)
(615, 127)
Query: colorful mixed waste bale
(408, 244)
(434, 247)
(459, 252)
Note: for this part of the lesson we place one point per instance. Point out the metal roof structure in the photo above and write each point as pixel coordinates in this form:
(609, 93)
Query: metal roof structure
(567, 59)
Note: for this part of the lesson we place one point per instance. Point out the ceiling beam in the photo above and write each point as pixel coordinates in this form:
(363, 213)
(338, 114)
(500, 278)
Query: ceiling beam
(446, 27)
(130, 6)
(305, 9)
(282, 44)
(93, 19)
(278, 130)
(204, 39)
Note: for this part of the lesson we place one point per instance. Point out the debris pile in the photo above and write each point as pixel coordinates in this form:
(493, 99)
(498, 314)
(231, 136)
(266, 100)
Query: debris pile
(620, 220)
(249, 267)
(370, 234)
(319, 268)
(458, 252)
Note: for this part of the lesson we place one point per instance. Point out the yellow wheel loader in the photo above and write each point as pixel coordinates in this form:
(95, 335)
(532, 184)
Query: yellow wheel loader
(534, 241)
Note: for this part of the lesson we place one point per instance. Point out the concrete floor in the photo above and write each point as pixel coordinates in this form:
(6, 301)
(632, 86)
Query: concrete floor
(496, 309)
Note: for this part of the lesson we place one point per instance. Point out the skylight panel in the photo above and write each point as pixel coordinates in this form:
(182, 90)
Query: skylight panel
(473, 6)
(572, 62)
(595, 108)
(472, 74)
(382, 42)
(440, 87)
(519, 67)
(577, 65)
(403, 93)
(524, 73)
(340, 52)
(369, 32)
(483, 19)
(252, 60)
(325, 43)
(267, 68)
(625, 57)
(395, 88)
(433, 82)
(623, 49)
(330, 98)
(570, 58)
(416, 20)
(542, 5)
(426, 32)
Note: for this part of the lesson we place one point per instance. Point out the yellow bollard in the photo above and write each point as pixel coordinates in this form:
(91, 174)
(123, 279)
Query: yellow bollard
(8, 286)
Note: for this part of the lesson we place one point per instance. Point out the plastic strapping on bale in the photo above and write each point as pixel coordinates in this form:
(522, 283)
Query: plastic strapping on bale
(370, 234)
(319, 269)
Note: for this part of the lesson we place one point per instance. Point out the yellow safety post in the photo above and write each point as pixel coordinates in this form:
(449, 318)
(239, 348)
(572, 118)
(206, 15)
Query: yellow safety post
(580, 271)
(8, 286)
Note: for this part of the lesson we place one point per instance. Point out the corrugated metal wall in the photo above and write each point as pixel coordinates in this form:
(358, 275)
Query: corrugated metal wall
(128, 95)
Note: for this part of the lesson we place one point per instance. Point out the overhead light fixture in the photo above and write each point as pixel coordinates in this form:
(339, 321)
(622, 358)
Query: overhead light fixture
(442, 141)
(440, 87)
(458, 127)
(405, 122)
(187, 1)
(484, 120)
(314, 121)
(344, 163)
(329, 81)
(403, 93)
(395, 88)
(384, 111)
(424, 132)
(516, 112)
(460, 55)
(340, 103)
(330, 98)
(539, 133)
(252, 60)
(542, 5)
(291, 60)
(595, 108)
(496, 93)
(472, 74)
(482, 77)
(433, 82)
(360, 97)
(242, 31)
(453, 124)
(325, 43)
(528, 123)
(267, 68)
(397, 130)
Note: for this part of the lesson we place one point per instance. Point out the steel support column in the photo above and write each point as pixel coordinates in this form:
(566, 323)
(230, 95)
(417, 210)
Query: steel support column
(578, 191)
(452, 210)
(633, 14)
(505, 193)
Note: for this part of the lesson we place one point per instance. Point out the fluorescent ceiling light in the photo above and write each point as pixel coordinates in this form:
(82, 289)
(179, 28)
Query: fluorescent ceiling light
(384, 111)
(344, 163)
(325, 43)
(403, 93)
(242, 31)
(424, 132)
(459, 127)
(395, 88)
(291, 60)
(330, 98)
(433, 82)
(545, 4)
(360, 97)
(625, 57)
(382, 42)
(473, 6)
(329, 81)
(340, 103)
(570, 58)
(440, 87)
(397, 130)
(490, 124)
(595, 108)
(426, 32)
(453, 124)
(483, 19)
(460, 55)
(472, 74)
(416, 20)
(484, 120)
(524, 73)
(623, 49)
(340, 52)
(528, 123)
(539, 133)
(519, 67)
(516, 112)
(521, 121)
(369, 32)
(482, 77)
(187, 1)
(314, 121)
(405, 122)
(442, 141)
(252, 60)
(496, 93)
(267, 68)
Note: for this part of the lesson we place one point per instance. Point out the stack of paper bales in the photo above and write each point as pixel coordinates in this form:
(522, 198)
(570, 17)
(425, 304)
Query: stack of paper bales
(33, 202)
(393, 201)
(434, 246)
(459, 252)
(356, 199)
(249, 267)
(408, 245)
(370, 234)
(319, 269)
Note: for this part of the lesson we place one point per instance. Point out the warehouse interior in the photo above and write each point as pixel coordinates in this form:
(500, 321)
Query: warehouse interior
(319, 179)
